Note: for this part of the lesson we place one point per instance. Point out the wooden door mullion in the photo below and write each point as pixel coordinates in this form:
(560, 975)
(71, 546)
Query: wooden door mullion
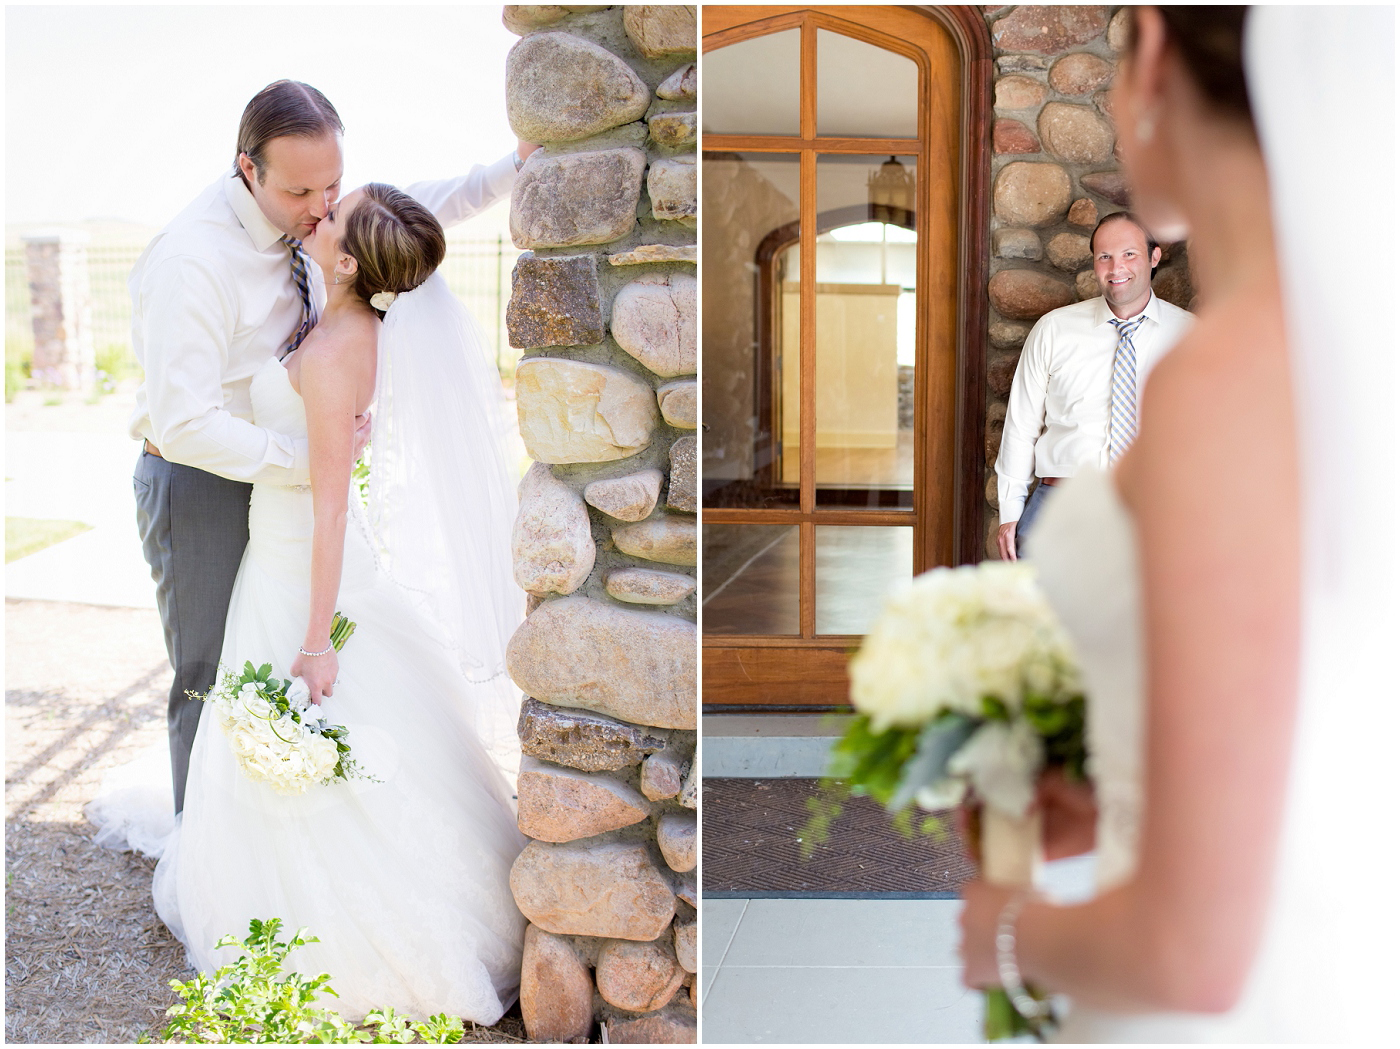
(807, 579)
(807, 334)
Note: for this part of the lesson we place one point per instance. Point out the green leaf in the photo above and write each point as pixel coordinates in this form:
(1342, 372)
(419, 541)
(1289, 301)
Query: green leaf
(993, 709)
(825, 807)
(932, 827)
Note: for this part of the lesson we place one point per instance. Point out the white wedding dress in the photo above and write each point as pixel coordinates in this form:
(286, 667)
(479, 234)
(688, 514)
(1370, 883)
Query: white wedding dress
(1326, 966)
(1085, 552)
(404, 881)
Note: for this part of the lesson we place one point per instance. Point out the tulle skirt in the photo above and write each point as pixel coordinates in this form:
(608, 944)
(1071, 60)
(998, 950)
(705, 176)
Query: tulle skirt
(405, 880)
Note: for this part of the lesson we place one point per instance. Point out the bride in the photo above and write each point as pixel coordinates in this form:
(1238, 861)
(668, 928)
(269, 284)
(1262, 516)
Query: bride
(404, 878)
(1233, 619)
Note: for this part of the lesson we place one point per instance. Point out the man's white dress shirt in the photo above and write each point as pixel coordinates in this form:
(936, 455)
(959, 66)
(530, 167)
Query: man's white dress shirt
(1058, 410)
(212, 299)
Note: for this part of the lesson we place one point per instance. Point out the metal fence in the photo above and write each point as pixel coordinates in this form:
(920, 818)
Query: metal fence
(477, 271)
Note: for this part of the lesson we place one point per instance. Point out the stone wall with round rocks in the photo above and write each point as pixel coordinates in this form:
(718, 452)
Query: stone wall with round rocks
(603, 302)
(1055, 173)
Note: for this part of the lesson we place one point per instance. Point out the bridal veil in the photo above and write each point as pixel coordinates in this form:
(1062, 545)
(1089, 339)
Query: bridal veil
(441, 504)
(1322, 87)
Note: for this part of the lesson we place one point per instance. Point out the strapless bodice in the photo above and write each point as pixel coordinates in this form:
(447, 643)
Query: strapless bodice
(1085, 550)
(276, 404)
(281, 519)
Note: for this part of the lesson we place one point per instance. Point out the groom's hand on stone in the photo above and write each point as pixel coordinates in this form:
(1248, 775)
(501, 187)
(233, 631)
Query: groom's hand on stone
(1006, 540)
(363, 425)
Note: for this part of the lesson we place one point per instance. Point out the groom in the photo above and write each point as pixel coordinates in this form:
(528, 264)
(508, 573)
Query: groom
(1075, 395)
(223, 288)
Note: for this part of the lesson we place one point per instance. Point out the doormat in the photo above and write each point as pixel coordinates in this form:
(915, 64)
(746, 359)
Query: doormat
(751, 831)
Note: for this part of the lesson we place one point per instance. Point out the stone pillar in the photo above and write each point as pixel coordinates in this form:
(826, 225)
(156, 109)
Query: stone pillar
(604, 304)
(1054, 175)
(60, 298)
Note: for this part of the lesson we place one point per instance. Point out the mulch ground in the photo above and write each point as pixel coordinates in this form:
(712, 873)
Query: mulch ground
(752, 834)
(87, 960)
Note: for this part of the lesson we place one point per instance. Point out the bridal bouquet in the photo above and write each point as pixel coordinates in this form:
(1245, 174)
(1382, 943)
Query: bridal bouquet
(966, 688)
(277, 735)
(966, 683)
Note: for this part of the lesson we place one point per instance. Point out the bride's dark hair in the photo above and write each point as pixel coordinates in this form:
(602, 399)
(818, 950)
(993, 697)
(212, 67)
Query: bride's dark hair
(1210, 41)
(395, 240)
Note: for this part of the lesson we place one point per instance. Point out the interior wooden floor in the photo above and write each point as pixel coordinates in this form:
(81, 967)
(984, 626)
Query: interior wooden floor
(859, 467)
(856, 567)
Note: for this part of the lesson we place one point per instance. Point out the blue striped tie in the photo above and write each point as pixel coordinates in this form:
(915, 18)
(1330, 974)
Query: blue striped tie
(1122, 416)
(299, 277)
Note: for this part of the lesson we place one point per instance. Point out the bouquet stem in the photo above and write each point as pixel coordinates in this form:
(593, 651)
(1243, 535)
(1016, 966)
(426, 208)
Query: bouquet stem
(1010, 850)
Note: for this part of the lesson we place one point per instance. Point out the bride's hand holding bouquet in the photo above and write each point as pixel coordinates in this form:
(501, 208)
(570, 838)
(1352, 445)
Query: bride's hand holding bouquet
(968, 693)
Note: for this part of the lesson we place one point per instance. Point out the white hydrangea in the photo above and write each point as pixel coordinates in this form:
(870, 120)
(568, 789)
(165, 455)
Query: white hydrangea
(954, 635)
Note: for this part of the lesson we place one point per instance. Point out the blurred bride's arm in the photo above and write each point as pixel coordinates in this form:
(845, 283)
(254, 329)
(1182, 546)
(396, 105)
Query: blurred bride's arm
(1213, 490)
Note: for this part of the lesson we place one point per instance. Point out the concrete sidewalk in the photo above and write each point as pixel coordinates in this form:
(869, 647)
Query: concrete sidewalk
(77, 476)
(834, 971)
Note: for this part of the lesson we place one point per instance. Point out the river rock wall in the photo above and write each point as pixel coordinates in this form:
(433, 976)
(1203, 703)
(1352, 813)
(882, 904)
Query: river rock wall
(604, 304)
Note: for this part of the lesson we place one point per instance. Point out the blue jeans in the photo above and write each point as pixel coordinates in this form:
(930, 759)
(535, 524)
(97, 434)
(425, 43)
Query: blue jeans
(1029, 513)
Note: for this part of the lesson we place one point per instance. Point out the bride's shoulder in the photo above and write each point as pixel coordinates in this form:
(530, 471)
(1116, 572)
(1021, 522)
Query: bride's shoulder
(340, 352)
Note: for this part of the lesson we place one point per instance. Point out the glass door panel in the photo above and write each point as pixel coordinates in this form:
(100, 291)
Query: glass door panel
(857, 565)
(749, 230)
(863, 91)
(867, 318)
(751, 579)
(753, 87)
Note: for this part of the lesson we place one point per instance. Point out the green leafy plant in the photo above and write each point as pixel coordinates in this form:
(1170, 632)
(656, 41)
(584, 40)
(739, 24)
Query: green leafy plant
(251, 1000)
(359, 476)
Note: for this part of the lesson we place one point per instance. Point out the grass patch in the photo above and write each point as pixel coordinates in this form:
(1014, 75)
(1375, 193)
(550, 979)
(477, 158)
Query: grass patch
(29, 535)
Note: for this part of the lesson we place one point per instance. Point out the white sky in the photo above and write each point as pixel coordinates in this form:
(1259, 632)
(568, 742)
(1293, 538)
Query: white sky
(127, 112)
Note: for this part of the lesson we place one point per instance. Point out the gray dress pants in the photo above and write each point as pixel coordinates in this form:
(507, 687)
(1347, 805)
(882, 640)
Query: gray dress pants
(194, 526)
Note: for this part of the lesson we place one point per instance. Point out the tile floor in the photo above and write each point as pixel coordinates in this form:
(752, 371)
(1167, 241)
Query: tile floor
(833, 971)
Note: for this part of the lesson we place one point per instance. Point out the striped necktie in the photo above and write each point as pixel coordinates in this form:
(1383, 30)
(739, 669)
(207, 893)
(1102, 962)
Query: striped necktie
(299, 278)
(1122, 415)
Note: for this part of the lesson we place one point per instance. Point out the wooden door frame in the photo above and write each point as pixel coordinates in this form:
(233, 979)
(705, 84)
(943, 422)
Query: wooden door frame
(811, 671)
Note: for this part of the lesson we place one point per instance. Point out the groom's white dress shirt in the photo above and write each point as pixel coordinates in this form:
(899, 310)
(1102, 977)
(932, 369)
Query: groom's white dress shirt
(1058, 409)
(213, 298)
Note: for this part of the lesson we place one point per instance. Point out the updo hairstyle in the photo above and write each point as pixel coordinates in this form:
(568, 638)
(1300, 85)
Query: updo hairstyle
(395, 240)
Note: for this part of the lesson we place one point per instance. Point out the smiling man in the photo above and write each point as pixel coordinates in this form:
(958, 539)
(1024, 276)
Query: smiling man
(218, 292)
(1074, 399)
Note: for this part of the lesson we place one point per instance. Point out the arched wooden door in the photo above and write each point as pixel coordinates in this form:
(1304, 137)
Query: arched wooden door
(841, 292)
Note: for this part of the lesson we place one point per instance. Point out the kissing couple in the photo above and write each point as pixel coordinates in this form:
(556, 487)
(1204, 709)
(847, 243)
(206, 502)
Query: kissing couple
(269, 316)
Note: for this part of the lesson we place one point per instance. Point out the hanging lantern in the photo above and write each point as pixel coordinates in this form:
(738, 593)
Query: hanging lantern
(891, 192)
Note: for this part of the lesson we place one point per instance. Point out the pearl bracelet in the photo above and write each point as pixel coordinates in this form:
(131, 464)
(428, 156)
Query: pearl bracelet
(329, 649)
(1008, 969)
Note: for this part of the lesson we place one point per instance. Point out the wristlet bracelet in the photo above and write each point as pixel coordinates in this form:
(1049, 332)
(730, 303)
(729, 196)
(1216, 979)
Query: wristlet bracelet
(328, 650)
(1007, 968)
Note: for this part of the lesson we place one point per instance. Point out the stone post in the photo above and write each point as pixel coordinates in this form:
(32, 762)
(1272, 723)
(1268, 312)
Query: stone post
(1054, 175)
(604, 304)
(60, 297)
